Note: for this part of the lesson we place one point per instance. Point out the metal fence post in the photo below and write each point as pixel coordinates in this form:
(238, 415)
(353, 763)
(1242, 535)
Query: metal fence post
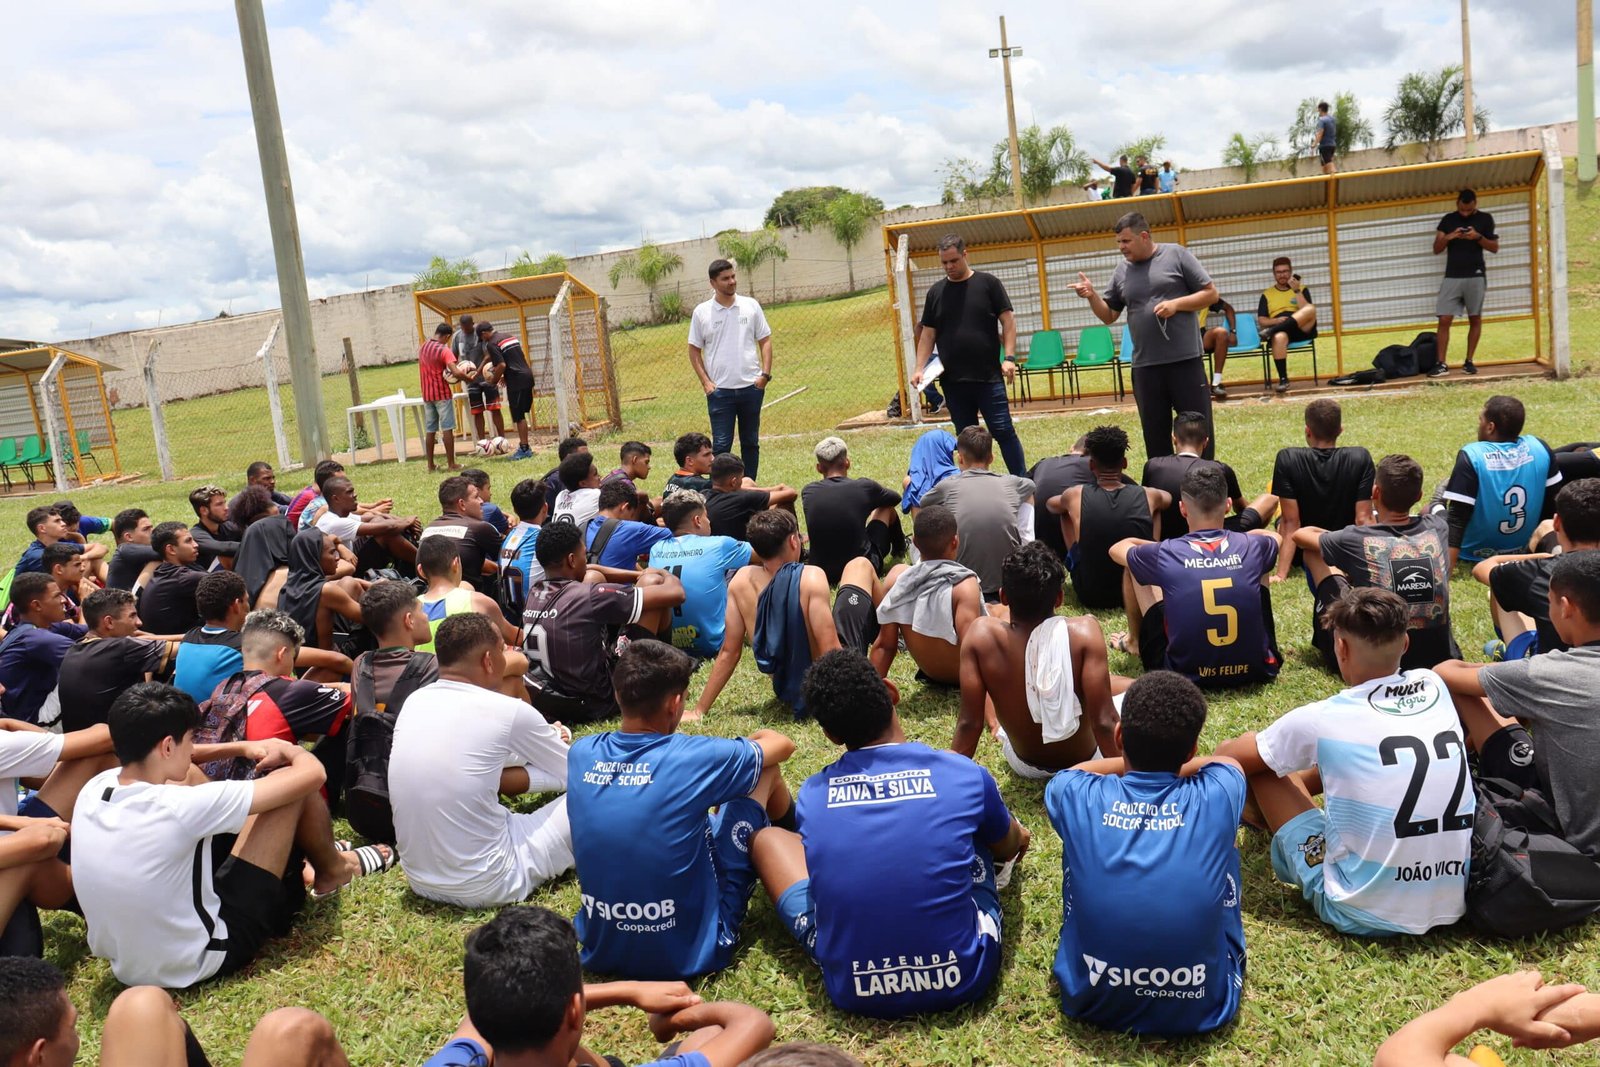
(274, 401)
(47, 393)
(558, 363)
(1560, 330)
(158, 422)
(908, 344)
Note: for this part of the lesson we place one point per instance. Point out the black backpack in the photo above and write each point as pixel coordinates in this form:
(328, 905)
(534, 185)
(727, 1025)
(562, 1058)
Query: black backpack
(371, 740)
(1525, 878)
(222, 722)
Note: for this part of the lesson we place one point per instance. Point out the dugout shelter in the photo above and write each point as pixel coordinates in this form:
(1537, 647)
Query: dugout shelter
(55, 421)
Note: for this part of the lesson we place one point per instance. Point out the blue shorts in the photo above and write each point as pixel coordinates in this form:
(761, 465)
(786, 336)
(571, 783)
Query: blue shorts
(731, 829)
(438, 415)
(799, 911)
(1298, 851)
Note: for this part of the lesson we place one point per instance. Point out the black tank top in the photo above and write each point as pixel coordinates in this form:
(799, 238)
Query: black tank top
(1106, 517)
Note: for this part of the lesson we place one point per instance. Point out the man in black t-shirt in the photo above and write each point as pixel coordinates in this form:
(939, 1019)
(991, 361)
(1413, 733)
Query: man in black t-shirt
(1122, 177)
(1406, 554)
(968, 315)
(167, 603)
(1463, 235)
(97, 669)
(476, 540)
(1519, 586)
(1149, 176)
(216, 536)
(518, 378)
(730, 503)
(1190, 436)
(1324, 484)
(131, 530)
(847, 517)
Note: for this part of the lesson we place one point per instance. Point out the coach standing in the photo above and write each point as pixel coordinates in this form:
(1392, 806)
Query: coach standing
(1162, 287)
(968, 315)
(730, 349)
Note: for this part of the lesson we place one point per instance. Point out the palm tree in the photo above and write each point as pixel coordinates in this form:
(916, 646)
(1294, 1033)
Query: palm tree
(1350, 128)
(1427, 108)
(1250, 154)
(525, 266)
(751, 250)
(1049, 157)
(846, 217)
(442, 273)
(650, 265)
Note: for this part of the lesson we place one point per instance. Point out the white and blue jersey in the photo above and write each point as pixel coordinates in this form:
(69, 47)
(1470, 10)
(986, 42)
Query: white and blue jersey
(516, 553)
(897, 845)
(1399, 802)
(648, 868)
(704, 565)
(1505, 483)
(1151, 936)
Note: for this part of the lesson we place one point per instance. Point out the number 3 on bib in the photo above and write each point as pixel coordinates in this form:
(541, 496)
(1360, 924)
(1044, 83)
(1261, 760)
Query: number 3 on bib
(1227, 612)
(1516, 502)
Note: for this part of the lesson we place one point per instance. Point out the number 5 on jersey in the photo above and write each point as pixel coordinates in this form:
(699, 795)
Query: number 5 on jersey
(1227, 612)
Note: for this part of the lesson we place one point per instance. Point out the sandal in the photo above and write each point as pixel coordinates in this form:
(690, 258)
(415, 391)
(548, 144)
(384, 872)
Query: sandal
(1118, 642)
(372, 859)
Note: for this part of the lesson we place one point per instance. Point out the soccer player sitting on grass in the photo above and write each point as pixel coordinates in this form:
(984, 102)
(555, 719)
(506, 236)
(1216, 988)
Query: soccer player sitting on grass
(1198, 604)
(527, 1003)
(1499, 489)
(1098, 515)
(848, 517)
(780, 606)
(694, 456)
(1553, 693)
(218, 540)
(491, 511)
(894, 898)
(1518, 1005)
(377, 540)
(665, 885)
(65, 567)
(320, 587)
(1406, 554)
(180, 882)
(993, 510)
(135, 560)
(1519, 586)
(621, 538)
(32, 651)
(166, 604)
(519, 568)
(1147, 844)
(579, 499)
(1323, 484)
(439, 564)
(576, 624)
(460, 745)
(702, 563)
(733, 498)
(97, 669)
(49, 528)
(1035, 676)
(1389, 854)
(931, 604)
(462, 522)
(1191, 437)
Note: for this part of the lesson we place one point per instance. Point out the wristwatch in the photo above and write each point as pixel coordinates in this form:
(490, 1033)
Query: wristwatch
(767, 375)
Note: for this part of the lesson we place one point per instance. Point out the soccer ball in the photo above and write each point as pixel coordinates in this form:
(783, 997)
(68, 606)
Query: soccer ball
(482, 447)
(498, 447)
(460, 371)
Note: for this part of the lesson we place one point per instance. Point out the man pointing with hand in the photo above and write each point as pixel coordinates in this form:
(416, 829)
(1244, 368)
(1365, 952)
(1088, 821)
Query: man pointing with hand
(1162, 286)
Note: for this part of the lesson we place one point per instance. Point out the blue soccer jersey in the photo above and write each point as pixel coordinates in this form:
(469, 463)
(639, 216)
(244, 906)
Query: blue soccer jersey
(1213, 603)
(1152, 941)
(892, 837)
(1505, 483)
(517, 555)
(641, 838)
(703, 565)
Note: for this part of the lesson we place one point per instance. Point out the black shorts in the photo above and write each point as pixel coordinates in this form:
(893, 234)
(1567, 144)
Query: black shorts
(855, 617)
(1332, 588)
(1153, 637)
(1326, 152)
(1247, 520)
(1291, 329)
(1508, 753)
(519, 401)
(484, 397)
(257, 905)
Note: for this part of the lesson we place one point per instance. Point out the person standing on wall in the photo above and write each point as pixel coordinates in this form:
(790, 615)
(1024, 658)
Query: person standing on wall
(968, 315)
(730, 349)
(1327, 138)
(1162, 286)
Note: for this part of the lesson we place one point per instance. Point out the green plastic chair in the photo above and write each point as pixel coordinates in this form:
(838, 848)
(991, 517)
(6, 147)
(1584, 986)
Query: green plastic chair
(1046, 355)
(8, 460)
(86, 451)
(1096, 349)
(32, 455)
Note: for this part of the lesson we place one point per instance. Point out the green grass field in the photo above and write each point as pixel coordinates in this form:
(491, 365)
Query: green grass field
(384, 966)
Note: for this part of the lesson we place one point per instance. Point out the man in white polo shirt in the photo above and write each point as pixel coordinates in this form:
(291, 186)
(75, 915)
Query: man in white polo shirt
(730, 349)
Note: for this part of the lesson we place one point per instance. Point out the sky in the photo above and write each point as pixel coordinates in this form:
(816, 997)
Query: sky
(131, 190)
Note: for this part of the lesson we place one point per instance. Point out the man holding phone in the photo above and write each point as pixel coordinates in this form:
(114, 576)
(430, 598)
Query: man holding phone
(1463, 235)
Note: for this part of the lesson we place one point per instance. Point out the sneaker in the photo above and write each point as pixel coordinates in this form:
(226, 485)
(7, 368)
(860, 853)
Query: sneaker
(1438, 370)
(1282, 386)
(522, 453)
(1468, 368)
(1218, 393)
(934, 408)
(1495, 650)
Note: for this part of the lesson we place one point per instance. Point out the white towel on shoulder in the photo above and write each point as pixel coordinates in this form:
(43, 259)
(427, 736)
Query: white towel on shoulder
(1052, 700)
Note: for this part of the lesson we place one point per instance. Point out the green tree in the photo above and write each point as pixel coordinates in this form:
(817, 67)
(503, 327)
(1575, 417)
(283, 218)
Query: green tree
(794, 206)
(1049, 158)
(846, 217)
(525, 266)
(442, 273)
(1350, 129)
(1250, 154)
(650, 265)
(1144, 146)
(1428, 107)
(750, 250)
(963, 182)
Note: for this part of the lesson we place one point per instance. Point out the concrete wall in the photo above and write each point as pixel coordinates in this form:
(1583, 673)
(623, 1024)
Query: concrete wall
(218, 354)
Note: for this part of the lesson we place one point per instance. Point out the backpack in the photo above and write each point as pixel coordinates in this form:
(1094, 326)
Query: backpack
(1525, 878)
(371, 740)
(602, 537)
(222, 719)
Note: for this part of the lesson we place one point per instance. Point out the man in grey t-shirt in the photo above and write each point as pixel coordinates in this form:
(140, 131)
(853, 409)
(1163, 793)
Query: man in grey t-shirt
(994, 511)
(1162, 287)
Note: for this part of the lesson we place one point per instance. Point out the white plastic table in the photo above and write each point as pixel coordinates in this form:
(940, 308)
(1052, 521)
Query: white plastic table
(394, 408)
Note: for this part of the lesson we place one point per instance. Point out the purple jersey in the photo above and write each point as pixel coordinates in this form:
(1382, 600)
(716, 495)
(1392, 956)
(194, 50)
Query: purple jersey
(568, 633)
(1213, 602)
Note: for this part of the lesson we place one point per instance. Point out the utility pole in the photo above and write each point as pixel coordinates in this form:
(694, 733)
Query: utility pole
(1586, 161)
(1471, 122)
(304, 373)
(1005, 52)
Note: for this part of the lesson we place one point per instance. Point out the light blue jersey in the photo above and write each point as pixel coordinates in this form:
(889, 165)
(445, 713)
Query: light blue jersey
(1505, 482)
(703, 565)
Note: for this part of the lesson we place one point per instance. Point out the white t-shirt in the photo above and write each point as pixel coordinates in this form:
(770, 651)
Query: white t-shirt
(135, 853)
(343, 528)
(24, 755)
(727, 339)
(457, 844)
(581, 504)
(1403, 864)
